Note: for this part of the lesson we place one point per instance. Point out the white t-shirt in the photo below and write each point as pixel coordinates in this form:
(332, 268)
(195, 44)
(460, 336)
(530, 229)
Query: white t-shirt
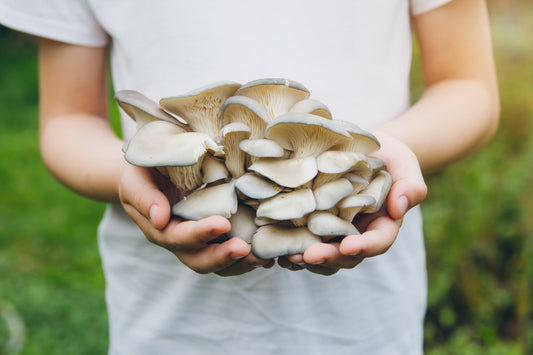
(352, 55)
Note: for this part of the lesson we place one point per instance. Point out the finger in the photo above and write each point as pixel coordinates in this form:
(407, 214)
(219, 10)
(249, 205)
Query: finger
(328, 255)
(404, 194)
(285, 263)
(215, 257)
(376, 240)
(191, 235)
(139, 190)
(246, 264)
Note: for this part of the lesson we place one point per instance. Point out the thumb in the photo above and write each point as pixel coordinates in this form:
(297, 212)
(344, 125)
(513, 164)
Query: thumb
(405, 194)
(139, 190)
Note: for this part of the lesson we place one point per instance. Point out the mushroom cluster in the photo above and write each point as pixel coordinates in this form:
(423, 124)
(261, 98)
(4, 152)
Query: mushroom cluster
(263, 154)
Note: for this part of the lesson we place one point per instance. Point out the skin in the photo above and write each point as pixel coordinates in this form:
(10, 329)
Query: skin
(460, 101)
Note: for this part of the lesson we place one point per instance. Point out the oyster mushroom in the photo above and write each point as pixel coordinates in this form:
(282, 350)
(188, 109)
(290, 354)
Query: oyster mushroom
(255, 187)
(313, 107)
(243, 224)
(276, 95)
(328, 195)
(287, 205)
(248, 111)
(155, 144)
(231, 135)
(286, 172)
(328, 225)
(350, 206)
(305, 135)
(201, 108)
(214, 170)
(143, 110)
(334, 164)
(273, 240)
(378, 189)
(363, 142)
(214, 200)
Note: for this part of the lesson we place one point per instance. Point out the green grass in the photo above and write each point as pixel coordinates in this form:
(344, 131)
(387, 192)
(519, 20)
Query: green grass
(477, 220)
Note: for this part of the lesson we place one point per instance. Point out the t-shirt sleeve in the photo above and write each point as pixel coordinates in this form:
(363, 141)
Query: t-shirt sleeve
(420, 6)
(70, 21)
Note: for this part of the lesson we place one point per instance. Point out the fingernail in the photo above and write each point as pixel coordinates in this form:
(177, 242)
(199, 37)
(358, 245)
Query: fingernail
(153, 211)
(403, 203)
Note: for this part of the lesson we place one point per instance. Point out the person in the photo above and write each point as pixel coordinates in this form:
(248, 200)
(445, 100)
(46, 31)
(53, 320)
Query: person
(355, 56)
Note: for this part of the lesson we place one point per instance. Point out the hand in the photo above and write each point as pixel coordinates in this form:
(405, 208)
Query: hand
(147, 197)
(379, 230)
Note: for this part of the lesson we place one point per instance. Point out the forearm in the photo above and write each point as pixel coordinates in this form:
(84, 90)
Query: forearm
(83, 153)
(452, 119)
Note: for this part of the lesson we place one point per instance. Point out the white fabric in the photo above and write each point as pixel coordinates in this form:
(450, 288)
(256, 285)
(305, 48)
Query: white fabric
(352, 55)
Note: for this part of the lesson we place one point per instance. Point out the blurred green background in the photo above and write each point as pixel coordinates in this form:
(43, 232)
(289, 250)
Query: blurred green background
(478, 220)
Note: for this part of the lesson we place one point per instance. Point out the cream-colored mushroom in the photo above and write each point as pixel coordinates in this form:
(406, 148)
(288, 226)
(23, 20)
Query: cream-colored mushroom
(328, 195)
(142, 109)
(248, 111)
(273, 240)
(231, 135)
(276, 95)
(201, 108)
(313, 107)
(287, 205)
(378, 189)
(363, 141)
(305, 135)
(286, 172)
(328, 225)
(214, 200)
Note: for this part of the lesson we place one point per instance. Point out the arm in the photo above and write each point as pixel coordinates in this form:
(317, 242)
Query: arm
(457, 114)
(80, 149)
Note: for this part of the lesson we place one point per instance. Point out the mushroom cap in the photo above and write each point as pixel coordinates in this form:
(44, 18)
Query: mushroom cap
(326, 224)
(336, 162)
(350, 206)
(276, 95)
(156, 144)
(288, 205)
(243, 224)
(248, 111)
(286, 172)
(329, 194)
(253, 186)
(363, 141)
(305, 134)
(378, 188)
(213, 200)
(273, 240)
(313, 107)
(231, 135)
(201, 108)
(143, 110)
(213, 170)
(262, 148)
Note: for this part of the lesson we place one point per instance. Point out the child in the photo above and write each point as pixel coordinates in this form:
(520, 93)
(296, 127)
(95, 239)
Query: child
(352, 55)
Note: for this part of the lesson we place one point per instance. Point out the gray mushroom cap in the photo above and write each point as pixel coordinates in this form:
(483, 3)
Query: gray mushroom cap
(326, 224)
(248, 111)
(271, 241)
(201, 108)
(328, 195)
(305, 134)
(363, 141)
(286, 172)
(288, 205)
(350, 206)
(262, 148)
(276, 95)
(214, 200)
(143, 110)
(313, 107)
(243, 224)
(378, 189)
(231, 135)
(256, 187)
(156, 144)
(214, 170)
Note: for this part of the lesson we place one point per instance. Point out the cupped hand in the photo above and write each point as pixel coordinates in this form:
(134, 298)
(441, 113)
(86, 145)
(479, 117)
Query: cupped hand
(378, 230)
(147, 197)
